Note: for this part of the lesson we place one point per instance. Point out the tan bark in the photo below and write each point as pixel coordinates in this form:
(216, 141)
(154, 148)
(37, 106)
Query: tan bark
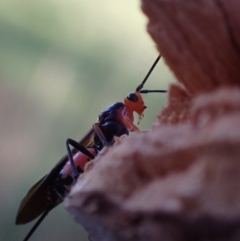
(181, 179)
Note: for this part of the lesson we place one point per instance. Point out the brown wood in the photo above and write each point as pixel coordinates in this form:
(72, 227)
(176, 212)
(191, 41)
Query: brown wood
(181, 179)
(199, 40)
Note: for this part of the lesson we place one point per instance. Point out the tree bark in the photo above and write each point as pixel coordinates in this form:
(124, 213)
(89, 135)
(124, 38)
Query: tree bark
(181, 179)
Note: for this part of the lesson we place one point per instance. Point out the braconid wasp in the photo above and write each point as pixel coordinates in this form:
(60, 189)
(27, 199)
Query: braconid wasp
(115, 120)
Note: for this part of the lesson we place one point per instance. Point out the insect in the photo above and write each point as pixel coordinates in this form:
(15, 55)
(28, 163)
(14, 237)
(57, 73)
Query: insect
(115, 120)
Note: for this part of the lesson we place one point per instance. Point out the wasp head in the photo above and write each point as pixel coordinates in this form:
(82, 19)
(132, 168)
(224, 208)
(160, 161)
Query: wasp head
(134, 102)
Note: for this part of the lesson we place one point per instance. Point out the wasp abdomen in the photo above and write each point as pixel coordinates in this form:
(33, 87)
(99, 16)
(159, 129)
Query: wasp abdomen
(64, 181)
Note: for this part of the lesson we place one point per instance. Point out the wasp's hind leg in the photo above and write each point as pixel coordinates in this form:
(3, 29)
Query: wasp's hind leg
(80, 148)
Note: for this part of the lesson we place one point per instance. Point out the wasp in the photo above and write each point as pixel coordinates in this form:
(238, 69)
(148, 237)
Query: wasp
(115, 120)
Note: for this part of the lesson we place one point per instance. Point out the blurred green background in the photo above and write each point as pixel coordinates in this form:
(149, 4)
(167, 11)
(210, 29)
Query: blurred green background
(61, 63)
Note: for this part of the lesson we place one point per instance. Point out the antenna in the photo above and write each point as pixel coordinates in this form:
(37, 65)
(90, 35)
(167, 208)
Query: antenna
(152, 91)
(146, 77)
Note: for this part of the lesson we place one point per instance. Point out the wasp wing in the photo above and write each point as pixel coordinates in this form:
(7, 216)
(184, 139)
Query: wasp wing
(36, 201)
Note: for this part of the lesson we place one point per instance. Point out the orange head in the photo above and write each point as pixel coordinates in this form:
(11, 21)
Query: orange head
(134, 102)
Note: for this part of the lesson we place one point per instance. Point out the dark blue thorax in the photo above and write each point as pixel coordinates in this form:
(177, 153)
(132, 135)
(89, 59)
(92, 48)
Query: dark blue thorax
(110, 124)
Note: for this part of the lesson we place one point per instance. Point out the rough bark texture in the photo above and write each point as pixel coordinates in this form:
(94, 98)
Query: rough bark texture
(199, 39)
(181, 179)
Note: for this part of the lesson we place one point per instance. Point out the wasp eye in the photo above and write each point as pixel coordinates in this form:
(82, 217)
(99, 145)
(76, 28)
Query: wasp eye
(132, 97)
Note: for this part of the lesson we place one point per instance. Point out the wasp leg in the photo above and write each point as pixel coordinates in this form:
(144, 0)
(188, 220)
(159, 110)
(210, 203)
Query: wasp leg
(37, 223)
(100, 135)
(80, 148)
